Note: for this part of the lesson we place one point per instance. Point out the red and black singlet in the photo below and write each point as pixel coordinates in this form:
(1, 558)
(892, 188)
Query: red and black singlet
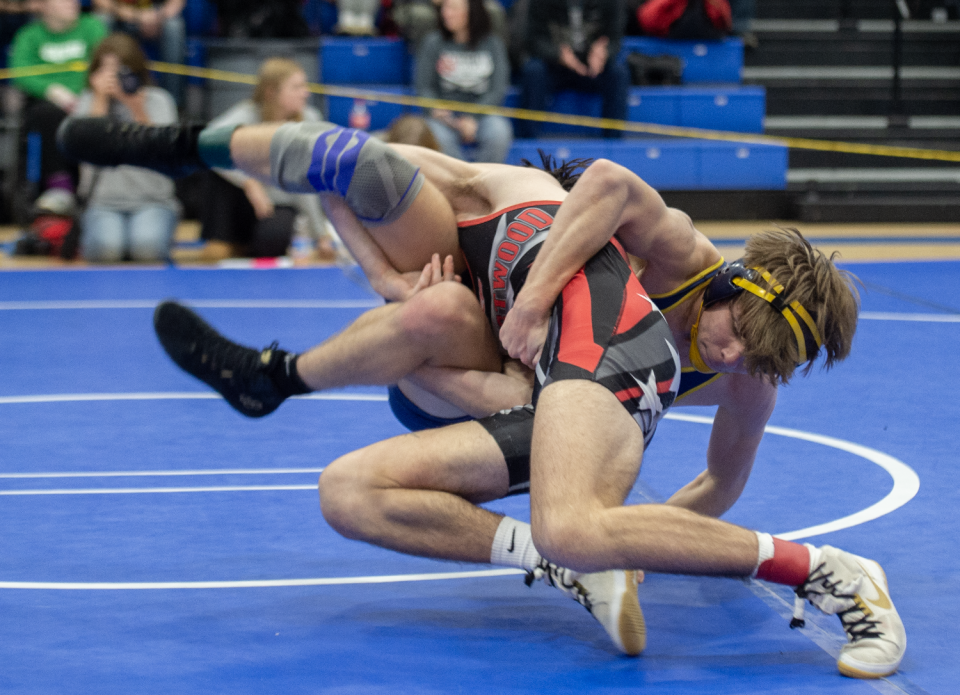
(499, 250)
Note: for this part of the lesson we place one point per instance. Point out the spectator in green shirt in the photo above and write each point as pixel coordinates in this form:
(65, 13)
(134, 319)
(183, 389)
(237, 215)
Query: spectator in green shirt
(59, 36)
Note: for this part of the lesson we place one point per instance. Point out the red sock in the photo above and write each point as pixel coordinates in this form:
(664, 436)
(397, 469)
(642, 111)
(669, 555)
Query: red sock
(789, 565)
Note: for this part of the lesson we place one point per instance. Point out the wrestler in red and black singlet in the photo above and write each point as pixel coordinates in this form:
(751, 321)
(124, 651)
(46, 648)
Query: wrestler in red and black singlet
(604, 327)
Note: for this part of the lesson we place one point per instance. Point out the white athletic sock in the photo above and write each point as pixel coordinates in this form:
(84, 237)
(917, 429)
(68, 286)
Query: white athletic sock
(513, 545)
(766, 550)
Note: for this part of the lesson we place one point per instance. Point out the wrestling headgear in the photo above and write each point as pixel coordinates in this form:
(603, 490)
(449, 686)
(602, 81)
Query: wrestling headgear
(733, 279)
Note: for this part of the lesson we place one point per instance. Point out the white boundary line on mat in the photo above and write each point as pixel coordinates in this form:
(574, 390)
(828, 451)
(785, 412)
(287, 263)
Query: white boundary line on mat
(906, 483)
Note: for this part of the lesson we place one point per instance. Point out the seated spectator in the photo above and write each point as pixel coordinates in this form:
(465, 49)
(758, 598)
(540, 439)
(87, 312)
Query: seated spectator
(243, 217)
(131, 212)
(696, 20)
(160, 24)
(417, 19)
(465, 61)
(59, 36)
(574, 45)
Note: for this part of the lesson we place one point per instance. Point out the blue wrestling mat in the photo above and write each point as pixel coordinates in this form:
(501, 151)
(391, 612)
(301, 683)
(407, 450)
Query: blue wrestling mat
(155, 541)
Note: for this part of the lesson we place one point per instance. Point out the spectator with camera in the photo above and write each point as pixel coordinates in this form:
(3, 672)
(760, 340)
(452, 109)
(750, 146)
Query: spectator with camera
(58, 37)
(159, 24)
(131, 212)
(465, 61)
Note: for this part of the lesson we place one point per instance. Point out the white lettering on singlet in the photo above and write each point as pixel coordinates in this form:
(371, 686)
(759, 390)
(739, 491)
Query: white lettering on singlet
(511, 242)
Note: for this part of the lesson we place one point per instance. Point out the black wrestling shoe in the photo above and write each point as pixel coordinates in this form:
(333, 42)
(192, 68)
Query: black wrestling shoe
(168, 149)
(240, 374)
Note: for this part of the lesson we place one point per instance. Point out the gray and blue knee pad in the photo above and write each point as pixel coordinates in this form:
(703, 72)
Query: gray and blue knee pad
(376, 182)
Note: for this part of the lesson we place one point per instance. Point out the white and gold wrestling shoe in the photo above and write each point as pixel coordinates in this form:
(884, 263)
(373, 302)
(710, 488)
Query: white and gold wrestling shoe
(855, 589)
(611, 598)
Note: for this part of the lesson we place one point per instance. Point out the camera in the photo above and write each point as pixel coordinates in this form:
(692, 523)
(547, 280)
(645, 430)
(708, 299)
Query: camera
(130, 81)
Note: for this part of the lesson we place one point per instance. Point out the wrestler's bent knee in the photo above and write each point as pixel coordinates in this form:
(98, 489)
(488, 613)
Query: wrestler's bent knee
(564, 539)
(377, 183)
(440, 310)
(344, 495)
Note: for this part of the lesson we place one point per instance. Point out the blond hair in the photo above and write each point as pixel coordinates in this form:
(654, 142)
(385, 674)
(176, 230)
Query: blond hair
(273, 73)
(810, 278)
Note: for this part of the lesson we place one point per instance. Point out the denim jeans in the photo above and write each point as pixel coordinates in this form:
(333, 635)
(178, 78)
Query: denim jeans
(540, 79)
(110, 235)
(494, 137)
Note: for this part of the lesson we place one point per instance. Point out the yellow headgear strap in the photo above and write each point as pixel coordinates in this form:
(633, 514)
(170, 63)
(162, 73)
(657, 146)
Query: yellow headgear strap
(789, 311)
(695, 359)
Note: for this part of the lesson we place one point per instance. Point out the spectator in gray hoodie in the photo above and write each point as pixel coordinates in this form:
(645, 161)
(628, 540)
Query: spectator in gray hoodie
(466, 61)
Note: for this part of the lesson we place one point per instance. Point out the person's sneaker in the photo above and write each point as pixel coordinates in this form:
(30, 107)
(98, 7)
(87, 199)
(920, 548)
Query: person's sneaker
(855, 589)
(611, 598)
(168, 149)
(240, 374)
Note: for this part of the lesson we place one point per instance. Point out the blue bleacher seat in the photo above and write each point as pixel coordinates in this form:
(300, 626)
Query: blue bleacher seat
(675, 164)
(562, 149)
(345, 60)
(739, 109)
(654, 105)
(738, 166)
(565, 102)
(703, 61)
(664, 164)
(735, 108)
(667, 164)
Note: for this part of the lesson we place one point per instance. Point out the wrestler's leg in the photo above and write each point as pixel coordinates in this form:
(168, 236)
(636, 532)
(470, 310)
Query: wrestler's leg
(383, 189)
(411, 223)
(606, 344)
(417, 493)
(586, 451)
(585, 457)
(440, 327)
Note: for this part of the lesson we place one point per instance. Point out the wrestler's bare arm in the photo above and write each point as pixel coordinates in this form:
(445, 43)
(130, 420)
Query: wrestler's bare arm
(746, 404)
(385, 280)
(608, 200)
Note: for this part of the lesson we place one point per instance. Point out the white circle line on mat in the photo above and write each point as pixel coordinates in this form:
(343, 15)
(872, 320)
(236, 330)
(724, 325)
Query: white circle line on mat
(262, 583)
(906, 483)
(68, 304)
